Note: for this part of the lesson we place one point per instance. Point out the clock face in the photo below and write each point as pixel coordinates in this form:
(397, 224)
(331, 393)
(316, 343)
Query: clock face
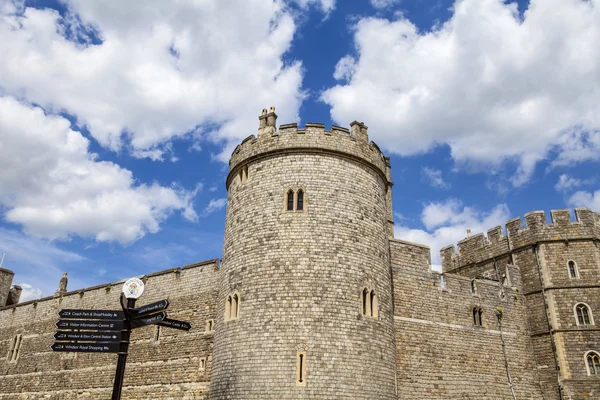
(133, 288)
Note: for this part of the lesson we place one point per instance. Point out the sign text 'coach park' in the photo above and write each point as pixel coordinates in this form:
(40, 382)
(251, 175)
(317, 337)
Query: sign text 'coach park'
(109, 331)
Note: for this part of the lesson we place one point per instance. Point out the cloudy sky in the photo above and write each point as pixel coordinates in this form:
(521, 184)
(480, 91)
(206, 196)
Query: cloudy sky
(117, 118)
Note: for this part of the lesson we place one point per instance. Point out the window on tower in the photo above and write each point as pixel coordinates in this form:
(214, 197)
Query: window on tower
(290, 200)
(232, 307)
(369, 306)
(573, 271)
(593, 363)
(300, 200)
(583, 314)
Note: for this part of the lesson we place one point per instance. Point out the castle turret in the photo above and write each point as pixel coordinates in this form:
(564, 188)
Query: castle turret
(305, 303)
(6, 278)
(62, 286)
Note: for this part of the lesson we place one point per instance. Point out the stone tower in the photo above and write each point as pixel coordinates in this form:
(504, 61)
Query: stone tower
(305, 308)
(6, 278)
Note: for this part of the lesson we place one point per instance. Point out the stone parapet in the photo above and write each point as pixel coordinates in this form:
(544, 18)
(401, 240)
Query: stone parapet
(479, 248)
(351, 143)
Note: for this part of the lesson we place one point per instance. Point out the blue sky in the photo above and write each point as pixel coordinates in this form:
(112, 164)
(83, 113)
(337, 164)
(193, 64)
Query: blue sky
(117, 118)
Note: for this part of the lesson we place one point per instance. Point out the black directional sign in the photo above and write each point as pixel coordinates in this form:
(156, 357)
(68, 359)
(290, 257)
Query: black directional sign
(173, 323)
(86, 347)
(92, 314)
(150, 319)
(105, 336)
(91, 325)
(150, 308)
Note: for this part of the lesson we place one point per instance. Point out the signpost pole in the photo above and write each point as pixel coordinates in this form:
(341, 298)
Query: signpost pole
(120, 373)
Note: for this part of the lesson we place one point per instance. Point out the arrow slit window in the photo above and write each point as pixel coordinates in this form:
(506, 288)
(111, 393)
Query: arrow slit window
(15, 348)
(301, 368)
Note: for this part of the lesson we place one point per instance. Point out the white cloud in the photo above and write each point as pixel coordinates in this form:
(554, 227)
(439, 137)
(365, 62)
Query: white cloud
(434, 177)
(214, 205)
(150, 71)
(327, 6)
(383, 4)
(38, 263)
(491, 85)
(55, 188)
(29, 292)
(586, 199)
(566, 183)
(447, 223)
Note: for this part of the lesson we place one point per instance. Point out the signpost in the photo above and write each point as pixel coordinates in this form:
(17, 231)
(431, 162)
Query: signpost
(106, 336)
(115, 325)
(86, 347)
(108, 331)
(91, 314)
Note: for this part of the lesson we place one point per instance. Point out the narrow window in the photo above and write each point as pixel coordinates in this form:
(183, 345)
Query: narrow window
(290, 200)
(593, 363)
(245, 173)
(228, 308)
(15, 348)
(442, 282)
(202, 364)
(373, 303)
(209, 325)
(300, 200)
(583, 314)
(473, 287)
(301, 368)
(572, 269)
(365, 295)
(156, 333)
(235, 306)
(477, 316)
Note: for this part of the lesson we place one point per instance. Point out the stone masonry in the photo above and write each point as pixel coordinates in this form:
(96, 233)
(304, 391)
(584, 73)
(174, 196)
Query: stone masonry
(315, 299)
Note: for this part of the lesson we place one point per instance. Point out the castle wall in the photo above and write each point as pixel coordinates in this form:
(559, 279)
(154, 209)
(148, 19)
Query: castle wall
(440, 352)
(300, 273)
(542, 251)
(169, 368)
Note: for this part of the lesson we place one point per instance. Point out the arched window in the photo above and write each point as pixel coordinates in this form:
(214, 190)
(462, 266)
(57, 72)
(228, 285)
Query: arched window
(228, 308)
(235, 306)
(583, 314)
(573, 271)
(473, 286)
(290, 200)
(373, 304)
(300, 200)
(477, 316)
(365, 301)
(593, 363)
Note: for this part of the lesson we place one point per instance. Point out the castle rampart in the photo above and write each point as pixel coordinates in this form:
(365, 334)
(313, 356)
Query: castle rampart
(169, 370)
(560, 270)
(442, 352)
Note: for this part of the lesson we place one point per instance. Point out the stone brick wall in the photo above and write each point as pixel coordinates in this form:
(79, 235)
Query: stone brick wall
(300, 274)
(169, 368)
(440, 352)
(542, 251)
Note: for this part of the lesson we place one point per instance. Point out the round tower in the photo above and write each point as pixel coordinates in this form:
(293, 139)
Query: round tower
(305, 306)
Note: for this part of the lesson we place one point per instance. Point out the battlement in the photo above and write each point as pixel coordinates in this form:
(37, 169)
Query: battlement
(353, 143)
(479, 248)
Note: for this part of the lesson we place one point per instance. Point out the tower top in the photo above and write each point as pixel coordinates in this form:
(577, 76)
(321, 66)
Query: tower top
(270, 141)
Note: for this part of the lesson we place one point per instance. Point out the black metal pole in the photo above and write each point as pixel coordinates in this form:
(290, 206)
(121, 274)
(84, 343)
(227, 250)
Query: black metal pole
(120, 373)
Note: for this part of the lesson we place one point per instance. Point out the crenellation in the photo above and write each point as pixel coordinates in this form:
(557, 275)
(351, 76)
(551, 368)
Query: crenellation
(494, 235)
(340, 130)
(535, 220)
(513, 226)
(560, 217)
